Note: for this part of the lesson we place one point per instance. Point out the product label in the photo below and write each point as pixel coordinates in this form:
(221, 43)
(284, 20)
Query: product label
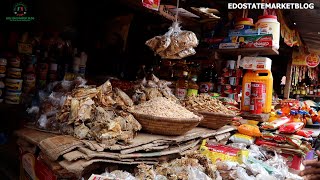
(24, 48)
(181, 93)
(192, 92)
(247, 94)
(206, 87)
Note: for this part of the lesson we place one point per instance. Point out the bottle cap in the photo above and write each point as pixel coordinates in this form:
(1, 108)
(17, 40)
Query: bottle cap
(185, 73)
(279, 112)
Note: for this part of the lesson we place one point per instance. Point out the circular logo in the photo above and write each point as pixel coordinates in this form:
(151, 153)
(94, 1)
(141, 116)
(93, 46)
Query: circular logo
(20, 9)
(312, 60)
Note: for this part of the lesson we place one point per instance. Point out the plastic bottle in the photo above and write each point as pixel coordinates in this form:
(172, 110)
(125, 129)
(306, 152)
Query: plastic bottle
(193, 87)
(182, 86)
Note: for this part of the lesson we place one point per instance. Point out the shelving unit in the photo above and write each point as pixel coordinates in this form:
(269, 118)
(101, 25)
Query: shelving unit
(249, 51)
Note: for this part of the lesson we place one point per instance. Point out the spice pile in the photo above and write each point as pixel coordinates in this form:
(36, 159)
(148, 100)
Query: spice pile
(96, 113)
(205, 103)
(163, 107)
(149, 89)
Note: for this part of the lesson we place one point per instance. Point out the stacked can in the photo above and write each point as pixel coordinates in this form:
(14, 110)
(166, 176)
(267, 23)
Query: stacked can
(256, 99)
(29, 79)
(13, 81)
(230, 80)
(3, 68)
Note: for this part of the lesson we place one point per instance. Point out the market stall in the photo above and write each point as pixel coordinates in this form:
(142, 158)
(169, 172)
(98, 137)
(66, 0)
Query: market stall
(204, 107)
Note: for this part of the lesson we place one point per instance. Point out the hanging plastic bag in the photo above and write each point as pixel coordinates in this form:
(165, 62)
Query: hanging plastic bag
(175, 44)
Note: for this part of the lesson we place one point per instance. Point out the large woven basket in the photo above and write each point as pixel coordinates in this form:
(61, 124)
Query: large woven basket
(166, 126)
(215, 120)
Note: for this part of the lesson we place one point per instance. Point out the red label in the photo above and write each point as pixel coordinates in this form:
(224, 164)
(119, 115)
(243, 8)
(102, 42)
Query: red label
(181, 93)
(151, 4)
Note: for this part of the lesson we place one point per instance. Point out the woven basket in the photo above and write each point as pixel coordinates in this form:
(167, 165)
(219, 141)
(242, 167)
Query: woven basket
(166, 126)
(215, 120)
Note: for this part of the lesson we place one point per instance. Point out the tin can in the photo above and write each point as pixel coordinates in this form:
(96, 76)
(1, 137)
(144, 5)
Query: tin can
(223, 80)
(231, 64)
(256, 105)
(257, 89)
(228, 89)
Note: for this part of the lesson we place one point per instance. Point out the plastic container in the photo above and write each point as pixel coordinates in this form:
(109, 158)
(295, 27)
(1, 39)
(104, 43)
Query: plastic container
(270, 25)
(263, 76)
(12, 97)
(14, 73)
(244, 23)
(13, 84)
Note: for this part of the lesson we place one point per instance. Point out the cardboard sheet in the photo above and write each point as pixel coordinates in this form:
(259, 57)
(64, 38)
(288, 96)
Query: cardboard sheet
(56, 146)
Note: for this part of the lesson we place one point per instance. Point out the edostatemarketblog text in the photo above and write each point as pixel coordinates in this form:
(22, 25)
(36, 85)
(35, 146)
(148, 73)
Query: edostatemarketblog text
(270, 5)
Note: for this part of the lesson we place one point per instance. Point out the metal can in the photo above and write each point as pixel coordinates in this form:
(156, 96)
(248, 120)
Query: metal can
(256, 105)
(257, 89)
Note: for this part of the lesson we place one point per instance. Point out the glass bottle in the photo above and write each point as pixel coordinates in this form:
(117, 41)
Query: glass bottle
(193, 87)
(182, 86)
(207, 80)
(179, 68)
(303, 89)
(166, 70)
(311, 91)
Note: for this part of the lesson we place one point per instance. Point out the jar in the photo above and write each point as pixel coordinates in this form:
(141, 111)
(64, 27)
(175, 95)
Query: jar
(269, 24)
(244, 23)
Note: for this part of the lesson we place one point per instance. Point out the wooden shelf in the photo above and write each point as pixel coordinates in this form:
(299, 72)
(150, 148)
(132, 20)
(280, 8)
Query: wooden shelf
(249, 51)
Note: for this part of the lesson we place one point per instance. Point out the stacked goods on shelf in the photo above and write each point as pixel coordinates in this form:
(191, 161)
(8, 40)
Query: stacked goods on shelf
(266, 33)
(3, 68)
(229, 85)
(13, 81)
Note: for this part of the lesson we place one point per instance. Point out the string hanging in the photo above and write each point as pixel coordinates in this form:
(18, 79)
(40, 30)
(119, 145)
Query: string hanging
(177, 11)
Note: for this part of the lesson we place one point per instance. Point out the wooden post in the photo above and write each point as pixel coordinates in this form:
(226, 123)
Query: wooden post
(288, 80)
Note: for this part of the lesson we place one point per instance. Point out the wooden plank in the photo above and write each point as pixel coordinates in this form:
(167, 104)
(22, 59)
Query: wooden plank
(288, 80)
(249, 51)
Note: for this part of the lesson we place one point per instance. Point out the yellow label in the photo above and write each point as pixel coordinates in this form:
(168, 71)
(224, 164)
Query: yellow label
(192, 92)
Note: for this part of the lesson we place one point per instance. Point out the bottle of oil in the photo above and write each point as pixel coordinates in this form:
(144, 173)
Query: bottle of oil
(182, 86)
(193, 87)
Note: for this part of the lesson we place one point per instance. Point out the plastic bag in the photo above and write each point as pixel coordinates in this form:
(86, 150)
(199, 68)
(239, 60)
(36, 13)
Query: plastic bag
(275, 124)
(291, 128)
(250, 130)
(241, 138)
(242, 174)
(117, 174)
(304, 133)
(195, 174)
(175, 44)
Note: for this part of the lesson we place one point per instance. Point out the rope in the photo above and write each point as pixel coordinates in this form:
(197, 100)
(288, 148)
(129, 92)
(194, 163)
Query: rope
(177, 10)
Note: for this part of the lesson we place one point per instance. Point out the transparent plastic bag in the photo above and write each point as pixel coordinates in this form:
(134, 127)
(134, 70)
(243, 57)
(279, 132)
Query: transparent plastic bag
(195, 174)
(242, 174)
(175, 44)
(117, 174)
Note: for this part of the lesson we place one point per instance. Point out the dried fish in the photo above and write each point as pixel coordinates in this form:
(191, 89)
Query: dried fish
(81, 131)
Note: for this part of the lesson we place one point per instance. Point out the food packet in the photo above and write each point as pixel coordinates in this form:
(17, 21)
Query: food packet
(291, 128)
(241, 138)
(274, 124)
(250, 130)
(304, 133)
(175, 44)
(267, 135)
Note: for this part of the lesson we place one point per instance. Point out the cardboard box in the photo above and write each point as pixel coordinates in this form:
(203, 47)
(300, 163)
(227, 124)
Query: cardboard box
(252, 41)
(255, 63)
(229, 45)
(244, 32)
